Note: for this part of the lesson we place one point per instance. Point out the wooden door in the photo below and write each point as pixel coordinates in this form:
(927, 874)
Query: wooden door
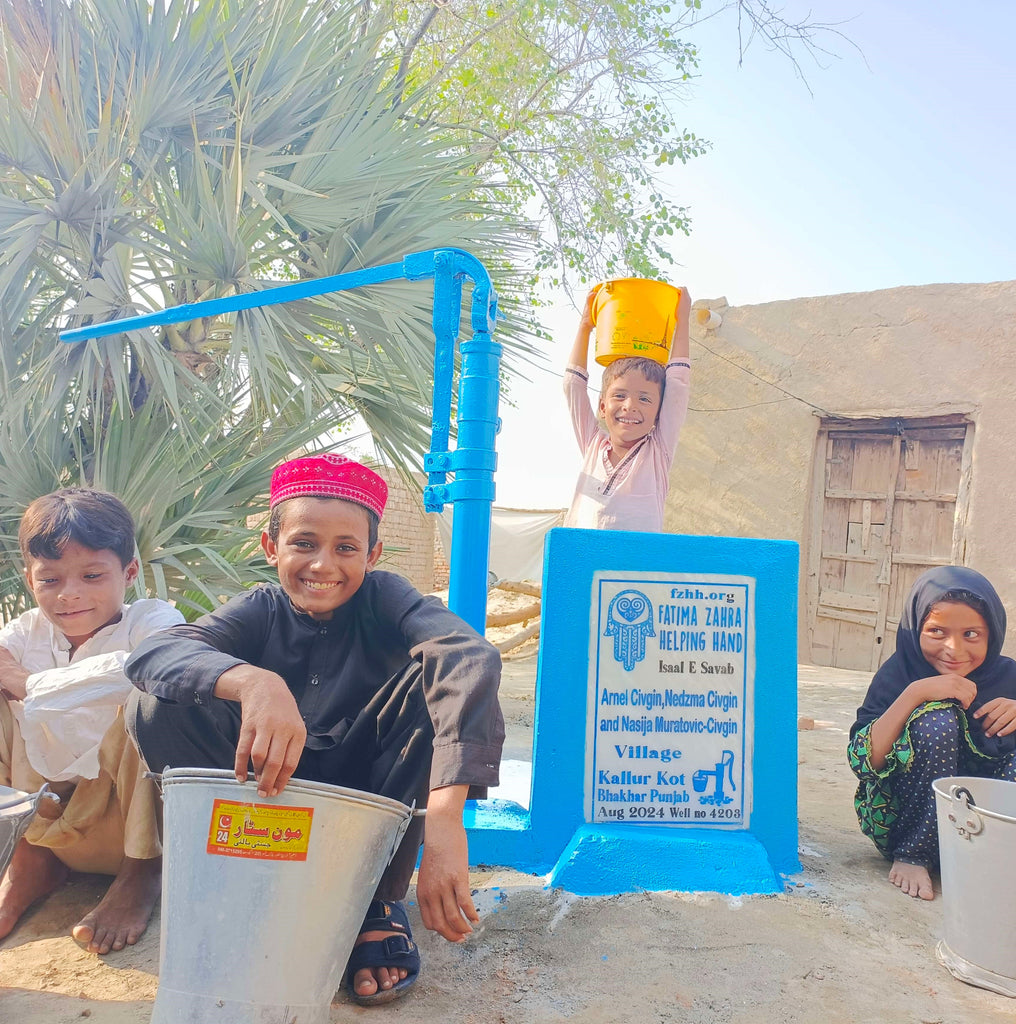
(885, 510)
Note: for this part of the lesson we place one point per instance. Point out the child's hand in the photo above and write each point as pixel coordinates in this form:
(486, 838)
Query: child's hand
(684, 309)
(442, 887)
(948, 686)
(586, 319)
(580, 347)
(681, 344)
(272, 736)
(998, 716)
(272, 731)
(13, 677)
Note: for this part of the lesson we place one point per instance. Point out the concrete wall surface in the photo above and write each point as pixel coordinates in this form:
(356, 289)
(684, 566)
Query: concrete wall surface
(766, 378)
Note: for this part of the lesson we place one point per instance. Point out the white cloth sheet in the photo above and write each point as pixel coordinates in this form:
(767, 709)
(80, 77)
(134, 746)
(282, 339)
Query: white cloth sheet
(516, 540)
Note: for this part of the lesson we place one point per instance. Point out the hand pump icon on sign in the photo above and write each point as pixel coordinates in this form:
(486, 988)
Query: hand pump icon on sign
(724, 767)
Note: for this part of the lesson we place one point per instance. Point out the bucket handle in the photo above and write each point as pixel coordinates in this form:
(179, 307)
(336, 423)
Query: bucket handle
(45, 793)
(414, 812)
(156, 777)
(964, 818)
(15, 801)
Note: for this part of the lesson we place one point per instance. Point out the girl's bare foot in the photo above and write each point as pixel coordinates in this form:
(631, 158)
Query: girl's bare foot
(34, 872)
(913, 879)
(122, 915)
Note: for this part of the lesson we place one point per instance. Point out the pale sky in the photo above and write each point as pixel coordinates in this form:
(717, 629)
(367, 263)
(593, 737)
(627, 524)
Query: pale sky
(896, 169)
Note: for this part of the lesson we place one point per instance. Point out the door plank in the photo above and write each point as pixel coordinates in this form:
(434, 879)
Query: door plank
(842, 599)
(845, 615)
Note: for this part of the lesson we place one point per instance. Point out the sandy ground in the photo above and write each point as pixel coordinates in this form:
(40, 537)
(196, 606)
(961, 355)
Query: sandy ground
(839, 945)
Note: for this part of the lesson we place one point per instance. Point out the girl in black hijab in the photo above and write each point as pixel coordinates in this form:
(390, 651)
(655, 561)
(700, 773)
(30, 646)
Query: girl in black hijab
(944, 704)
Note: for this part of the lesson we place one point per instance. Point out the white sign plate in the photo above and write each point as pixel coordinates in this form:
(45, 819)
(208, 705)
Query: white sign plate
(671, 692)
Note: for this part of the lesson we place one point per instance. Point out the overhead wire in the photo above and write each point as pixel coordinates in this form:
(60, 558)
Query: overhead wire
(751, 373)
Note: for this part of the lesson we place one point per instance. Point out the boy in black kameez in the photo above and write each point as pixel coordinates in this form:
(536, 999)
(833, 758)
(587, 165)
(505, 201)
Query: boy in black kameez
(341, 674)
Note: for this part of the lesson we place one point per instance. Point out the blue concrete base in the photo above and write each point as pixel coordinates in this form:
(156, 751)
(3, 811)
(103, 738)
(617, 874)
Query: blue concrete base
(602, 860)
(501, 832)
(495, 814)
(557, 836)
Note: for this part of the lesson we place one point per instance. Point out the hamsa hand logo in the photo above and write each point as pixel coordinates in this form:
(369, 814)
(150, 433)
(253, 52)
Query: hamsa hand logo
(629, 622)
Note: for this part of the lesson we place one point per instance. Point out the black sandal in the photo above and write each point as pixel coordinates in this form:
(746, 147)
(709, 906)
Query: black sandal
(393, 952)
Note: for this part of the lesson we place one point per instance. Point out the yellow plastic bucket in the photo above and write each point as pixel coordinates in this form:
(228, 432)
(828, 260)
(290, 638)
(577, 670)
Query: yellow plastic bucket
(634, 317)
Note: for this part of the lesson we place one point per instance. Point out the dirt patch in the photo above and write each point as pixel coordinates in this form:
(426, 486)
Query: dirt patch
(840, 944)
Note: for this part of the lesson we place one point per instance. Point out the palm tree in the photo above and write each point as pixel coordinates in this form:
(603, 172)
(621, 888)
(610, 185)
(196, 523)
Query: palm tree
(156, 154)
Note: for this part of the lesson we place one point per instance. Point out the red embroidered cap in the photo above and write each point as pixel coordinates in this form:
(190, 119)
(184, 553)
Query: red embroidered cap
(329, 476)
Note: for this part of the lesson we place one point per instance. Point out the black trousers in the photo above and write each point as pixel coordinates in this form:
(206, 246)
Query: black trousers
(386, 750)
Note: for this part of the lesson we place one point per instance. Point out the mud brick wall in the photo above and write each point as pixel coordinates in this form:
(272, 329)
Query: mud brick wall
(407, 532)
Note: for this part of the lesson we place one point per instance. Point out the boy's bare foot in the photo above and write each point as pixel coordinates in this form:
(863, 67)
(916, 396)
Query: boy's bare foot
(34, 872)
(913, 879)
(369, 980)
(122, 914)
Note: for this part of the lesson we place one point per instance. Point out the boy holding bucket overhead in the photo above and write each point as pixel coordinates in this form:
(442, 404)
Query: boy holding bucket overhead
(341, 674)
(643, 404)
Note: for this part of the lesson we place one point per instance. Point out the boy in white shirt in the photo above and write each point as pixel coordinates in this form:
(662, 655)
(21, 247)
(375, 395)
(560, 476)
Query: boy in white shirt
(61, 689)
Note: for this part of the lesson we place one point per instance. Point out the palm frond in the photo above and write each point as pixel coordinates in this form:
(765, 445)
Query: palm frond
(159, 154)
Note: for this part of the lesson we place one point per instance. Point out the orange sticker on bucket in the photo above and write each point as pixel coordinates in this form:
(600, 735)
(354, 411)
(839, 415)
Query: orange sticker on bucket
(264, 831)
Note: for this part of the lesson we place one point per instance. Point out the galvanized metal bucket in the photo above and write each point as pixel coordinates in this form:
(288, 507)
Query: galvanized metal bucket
(262, 899)
(977, 841)
(16, 812)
